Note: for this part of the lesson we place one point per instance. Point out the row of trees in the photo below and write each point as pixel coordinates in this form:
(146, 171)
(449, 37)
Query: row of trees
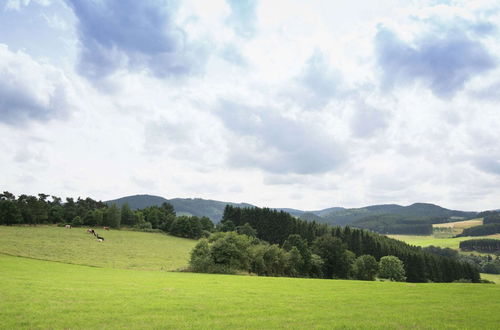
(45, 209)
(481, 245)
(230, 252)
(397, 224)
(491, 218)
(485, 263)
(489, 229)
(275, 227)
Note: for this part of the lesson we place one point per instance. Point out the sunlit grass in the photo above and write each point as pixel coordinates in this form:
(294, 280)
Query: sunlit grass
(121, 249)
(42, 294)
(424, 241)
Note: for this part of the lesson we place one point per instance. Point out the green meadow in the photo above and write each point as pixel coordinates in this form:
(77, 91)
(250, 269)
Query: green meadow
(44, 294)
(121, 248)
(128, 286)
(429, 240)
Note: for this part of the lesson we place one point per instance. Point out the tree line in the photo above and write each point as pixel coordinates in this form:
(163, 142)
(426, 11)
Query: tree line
(398, 224)
(485, 263)
(488, 229)
(231, 252)
(491, 218)
(45, 209)
(481, 245)
(344, 243)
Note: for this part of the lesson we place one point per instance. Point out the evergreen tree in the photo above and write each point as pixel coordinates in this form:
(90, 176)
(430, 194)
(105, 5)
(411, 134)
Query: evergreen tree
(127, 215)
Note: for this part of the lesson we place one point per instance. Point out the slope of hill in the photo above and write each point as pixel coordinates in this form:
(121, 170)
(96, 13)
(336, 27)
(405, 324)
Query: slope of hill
(182, 206)
(334, 215)
(121, 248)
(138, 201)
(416, 210)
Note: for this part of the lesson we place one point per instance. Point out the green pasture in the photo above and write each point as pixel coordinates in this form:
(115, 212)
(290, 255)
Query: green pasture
(121, 249)
(44, 294)
(491, 277)
(424, 241)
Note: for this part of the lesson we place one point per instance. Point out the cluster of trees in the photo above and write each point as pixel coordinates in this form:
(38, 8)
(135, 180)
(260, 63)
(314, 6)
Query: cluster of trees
(481, 245)
(491, 218)
(397, 224)
(230, 252)
(485, 264)
(488, 229)
(45, 209)
(276, 226)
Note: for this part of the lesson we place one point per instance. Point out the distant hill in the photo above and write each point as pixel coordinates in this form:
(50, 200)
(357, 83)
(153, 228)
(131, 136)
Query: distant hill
(334, 215)
(348, 216)
(182, 206)
(138, 201)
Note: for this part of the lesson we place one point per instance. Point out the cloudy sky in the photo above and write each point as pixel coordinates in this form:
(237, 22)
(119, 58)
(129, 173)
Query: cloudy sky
(304, 104)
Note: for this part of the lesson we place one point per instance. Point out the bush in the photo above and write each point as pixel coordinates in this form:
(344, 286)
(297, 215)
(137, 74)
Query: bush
(462, 280)
(365, 268)
(77, 222)
(392, 268)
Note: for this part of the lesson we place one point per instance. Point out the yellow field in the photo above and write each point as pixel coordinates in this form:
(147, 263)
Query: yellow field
(460, 224)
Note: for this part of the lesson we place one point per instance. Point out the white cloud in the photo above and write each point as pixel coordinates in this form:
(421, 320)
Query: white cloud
(31, 91)
(287, 107)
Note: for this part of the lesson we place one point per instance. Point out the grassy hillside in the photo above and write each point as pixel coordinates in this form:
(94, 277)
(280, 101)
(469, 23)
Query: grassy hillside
(424, 241)
(454, 228)
(42, 294)
(460, 224)
(121, 249)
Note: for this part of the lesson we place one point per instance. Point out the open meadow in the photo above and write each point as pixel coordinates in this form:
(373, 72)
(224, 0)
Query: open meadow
(423, 241)
(121, 248)
(128, 287)
(44, 294)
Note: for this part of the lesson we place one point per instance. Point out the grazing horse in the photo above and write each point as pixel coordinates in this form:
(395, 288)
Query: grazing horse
(67, 226)
(105, 228)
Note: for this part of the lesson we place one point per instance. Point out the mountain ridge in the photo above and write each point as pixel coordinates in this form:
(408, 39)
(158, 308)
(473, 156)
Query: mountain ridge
(332, 215)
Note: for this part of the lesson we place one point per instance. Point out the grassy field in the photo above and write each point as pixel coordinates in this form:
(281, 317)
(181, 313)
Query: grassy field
(491, 277)
(451, 229)
(43, 294)
(121, 249)
(460, 224)
(423, 241)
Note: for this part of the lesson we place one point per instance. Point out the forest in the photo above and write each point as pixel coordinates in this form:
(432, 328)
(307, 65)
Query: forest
(339, 246)
(45, 209)
(483, 230)
(481, 245)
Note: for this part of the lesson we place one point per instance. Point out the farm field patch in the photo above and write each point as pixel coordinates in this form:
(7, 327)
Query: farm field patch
(429, 240)
(121, 248)
(43, 294)
(460, 224)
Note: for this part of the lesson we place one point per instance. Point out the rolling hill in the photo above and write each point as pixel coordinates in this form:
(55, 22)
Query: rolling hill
(333, 215)
(182, 206)
(417, 210)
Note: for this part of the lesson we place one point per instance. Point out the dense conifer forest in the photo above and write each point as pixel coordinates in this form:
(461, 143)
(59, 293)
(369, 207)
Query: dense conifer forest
(276, 227)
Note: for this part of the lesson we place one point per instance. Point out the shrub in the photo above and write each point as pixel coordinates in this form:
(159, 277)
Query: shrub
(392, 268)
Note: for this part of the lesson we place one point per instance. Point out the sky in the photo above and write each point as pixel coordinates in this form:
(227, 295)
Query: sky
(301, 104)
